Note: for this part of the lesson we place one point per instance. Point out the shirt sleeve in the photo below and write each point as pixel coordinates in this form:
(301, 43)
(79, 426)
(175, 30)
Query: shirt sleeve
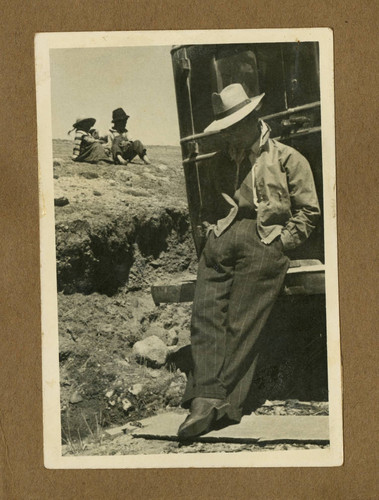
(304, 202)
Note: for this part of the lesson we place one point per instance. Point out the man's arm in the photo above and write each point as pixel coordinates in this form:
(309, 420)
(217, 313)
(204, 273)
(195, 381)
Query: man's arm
(304, 202)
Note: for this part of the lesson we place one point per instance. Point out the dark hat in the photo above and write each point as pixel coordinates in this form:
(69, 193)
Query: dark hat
(80, 121)
(119, 114)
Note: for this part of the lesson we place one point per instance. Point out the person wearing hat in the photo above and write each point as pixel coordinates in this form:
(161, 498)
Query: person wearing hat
(123, 149)
(267, 204)
(86, 147)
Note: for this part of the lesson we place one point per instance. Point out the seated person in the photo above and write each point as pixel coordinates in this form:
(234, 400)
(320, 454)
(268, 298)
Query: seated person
(87, 148)
(123, 149)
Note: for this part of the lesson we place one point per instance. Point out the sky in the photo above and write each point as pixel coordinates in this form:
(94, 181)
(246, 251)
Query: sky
(92, 82)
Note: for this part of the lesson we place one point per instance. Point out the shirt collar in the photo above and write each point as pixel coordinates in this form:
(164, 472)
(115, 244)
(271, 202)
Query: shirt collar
(261, 142)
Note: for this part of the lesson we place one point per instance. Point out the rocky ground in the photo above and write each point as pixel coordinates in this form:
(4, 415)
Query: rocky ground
(119, 230)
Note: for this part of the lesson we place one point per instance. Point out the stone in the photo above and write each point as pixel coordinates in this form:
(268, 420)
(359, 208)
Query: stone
(169, 337)
(152, 351)
(136, 389)
(155, 263)
(75, 397)
(112, 183)
(126, 404)
(96, 193)
(61, 201)
(172, 337)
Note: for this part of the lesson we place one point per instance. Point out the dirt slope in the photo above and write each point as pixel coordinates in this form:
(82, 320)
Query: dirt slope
(122, 229)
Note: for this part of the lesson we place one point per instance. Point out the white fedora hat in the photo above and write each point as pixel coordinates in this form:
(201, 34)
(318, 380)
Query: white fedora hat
(230, 106)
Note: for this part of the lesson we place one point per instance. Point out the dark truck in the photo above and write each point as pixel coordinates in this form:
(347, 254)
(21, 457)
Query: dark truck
(288, 73)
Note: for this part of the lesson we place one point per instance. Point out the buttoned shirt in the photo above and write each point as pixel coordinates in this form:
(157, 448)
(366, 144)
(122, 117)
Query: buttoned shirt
(238, 156)
(286, 198)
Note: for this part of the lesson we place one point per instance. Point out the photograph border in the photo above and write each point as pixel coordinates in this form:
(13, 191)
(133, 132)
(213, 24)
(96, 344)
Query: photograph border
(332, 456)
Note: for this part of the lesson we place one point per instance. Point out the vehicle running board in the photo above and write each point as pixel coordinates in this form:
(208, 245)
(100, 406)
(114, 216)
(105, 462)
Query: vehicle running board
(304, 277)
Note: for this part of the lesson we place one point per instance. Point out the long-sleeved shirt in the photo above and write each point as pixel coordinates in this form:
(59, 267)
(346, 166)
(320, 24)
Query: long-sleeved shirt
(81, 140)
(87, 148)
(285, 194)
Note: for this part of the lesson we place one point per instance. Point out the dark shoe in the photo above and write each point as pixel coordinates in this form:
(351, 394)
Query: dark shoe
(204, 413)
(223, 422)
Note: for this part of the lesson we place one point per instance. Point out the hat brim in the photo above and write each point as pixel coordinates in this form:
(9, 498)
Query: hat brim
(228, 121)
(91, 121)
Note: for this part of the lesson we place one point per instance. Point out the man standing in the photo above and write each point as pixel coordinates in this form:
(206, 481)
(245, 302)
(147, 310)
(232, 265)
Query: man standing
(123, 149)
(267, 204)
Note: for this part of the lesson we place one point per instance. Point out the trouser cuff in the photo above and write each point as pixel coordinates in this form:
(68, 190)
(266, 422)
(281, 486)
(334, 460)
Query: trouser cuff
(188, 397)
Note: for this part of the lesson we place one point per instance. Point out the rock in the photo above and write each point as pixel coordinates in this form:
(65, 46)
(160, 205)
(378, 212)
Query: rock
(75, 397)
(96, 193)
(56, 176)
(162, 167)
(89, 175)
(172, 337)
(109, 394)
(169, 337)
(112, 183)
(61, 202)
(155, 263)
(151, 350)
(136, 389)
(57, 162)
(126, 404)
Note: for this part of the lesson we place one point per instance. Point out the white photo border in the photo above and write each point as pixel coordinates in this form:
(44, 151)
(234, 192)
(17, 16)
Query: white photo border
(44, 42)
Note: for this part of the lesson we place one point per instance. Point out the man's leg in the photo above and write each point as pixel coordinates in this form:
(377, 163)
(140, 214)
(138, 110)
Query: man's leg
(258, 277)
(209, 311)
(140, 150)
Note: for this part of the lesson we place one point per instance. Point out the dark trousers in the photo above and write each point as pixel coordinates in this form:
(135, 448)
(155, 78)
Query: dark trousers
(132, 149)
(239, 279)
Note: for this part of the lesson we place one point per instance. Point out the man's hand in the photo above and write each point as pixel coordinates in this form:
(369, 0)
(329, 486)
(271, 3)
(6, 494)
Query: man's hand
(207, 227)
